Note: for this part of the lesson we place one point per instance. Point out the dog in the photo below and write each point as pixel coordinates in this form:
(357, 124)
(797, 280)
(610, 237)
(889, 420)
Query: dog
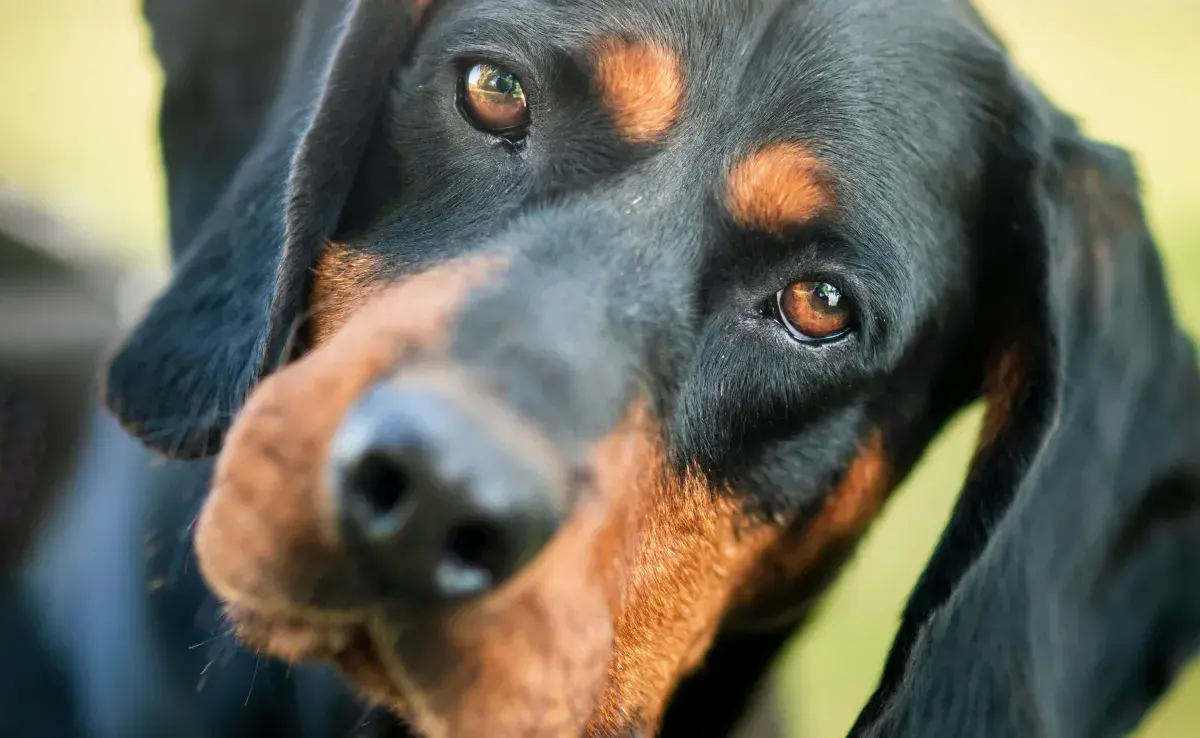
(556, 355)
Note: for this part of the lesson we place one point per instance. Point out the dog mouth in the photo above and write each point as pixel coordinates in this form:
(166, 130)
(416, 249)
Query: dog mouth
(346, 643)
(515, 663)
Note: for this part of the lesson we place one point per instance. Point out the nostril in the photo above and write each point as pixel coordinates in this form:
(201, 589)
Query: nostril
(381, 482)
(478, 544)
(476, 559)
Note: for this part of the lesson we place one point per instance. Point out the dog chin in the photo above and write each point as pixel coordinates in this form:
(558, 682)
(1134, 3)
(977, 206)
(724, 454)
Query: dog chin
(366, 651)
(347, 645)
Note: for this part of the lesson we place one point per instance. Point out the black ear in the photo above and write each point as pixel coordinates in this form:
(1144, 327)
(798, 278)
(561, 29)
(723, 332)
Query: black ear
(1064, 594)
(223, 62)
(239, 283)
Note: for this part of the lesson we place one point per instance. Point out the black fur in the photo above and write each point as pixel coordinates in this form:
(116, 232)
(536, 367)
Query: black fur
(967, 219)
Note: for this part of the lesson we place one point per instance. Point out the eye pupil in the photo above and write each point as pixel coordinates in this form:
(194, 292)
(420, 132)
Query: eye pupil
(506, 83)
(814, 311)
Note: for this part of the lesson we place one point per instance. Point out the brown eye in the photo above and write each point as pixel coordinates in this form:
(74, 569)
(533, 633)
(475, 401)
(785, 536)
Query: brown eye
(493, 101)
(815, 311)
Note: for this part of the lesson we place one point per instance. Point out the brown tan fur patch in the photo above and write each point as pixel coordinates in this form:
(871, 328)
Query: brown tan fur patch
(342, 282)
(681, 551)
(778, 188)
(641, 86)
(846, 514)
(857, 500)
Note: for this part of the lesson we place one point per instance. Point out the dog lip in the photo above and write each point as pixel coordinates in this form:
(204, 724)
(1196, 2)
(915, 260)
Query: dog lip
(293, 636)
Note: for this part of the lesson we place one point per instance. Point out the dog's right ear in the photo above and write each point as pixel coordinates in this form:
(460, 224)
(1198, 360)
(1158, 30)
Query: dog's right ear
(1062, 597)
(239, 285)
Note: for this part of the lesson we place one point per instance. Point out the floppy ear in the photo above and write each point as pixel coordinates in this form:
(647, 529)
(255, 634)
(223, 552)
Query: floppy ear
(239, 285)
(222, 63)
(1064, 594)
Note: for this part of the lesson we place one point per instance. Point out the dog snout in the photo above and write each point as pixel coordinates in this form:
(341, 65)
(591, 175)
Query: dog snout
(440, 496)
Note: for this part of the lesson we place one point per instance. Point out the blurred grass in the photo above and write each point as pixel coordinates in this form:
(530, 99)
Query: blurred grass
(78, 97)
(78, 89)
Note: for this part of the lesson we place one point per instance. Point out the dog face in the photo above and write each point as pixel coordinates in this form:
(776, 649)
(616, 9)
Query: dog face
(614, 324)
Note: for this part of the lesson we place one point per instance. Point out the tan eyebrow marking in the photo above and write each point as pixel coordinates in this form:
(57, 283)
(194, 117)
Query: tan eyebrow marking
(641, 85)
(777, 188)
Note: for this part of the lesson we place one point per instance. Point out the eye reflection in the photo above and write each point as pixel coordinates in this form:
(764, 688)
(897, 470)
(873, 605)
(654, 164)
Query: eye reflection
(493, 100)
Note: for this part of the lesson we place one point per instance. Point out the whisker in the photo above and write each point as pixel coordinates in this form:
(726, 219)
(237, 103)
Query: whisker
(206, 642)
(363, 720)
(253, 676)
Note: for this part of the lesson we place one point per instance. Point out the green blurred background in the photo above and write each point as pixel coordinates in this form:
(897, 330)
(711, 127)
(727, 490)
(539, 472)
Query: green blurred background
(78, 89)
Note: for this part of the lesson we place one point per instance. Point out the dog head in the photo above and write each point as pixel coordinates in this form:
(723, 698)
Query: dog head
(543, 341)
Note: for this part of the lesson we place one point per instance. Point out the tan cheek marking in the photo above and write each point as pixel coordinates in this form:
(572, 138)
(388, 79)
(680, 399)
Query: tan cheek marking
(846, 514)
(262, 535)
(855, 503)
(778, 188)
(687, 549)
(641, 86)
(342, 282)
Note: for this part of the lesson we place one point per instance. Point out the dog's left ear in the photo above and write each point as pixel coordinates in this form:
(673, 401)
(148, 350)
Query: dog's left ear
(1072, 556)
(239, 285)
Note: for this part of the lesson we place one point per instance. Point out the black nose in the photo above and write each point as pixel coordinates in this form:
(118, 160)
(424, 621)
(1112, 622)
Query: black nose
(437, 500)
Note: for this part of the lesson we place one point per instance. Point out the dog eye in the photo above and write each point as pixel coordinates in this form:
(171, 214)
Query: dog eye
(814, 311)
(492, 100)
